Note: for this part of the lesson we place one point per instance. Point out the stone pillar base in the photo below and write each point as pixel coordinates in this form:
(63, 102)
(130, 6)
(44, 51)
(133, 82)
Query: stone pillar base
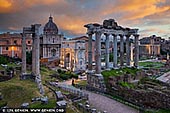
(108, 69)
(95, 82)
(115, 67)
(25, 76)
(129, 66)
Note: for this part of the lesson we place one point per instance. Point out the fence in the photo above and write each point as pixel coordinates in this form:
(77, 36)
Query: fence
(73, 90)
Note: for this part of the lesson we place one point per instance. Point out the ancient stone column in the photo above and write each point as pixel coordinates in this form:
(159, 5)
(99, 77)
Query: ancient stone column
(37, 57)
(107, 51)
(90, 57)
(121, 50)
(115, 51)
(98, 52)
(131, 54)
(128, 52)
(37, 50)
(136, 51)
(23, 53)
(33, 55)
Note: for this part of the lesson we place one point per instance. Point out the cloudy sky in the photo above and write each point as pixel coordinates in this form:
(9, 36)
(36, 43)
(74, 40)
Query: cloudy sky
(149, 16)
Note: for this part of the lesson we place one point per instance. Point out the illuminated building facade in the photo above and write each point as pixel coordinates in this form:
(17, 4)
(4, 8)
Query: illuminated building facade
(73, 55)
(85, 38)
(10, 44)
(150, 46)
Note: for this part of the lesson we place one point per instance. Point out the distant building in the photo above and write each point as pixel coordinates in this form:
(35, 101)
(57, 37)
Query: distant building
(10, 44)
(50, 41)
(150, 46)
(73, 55)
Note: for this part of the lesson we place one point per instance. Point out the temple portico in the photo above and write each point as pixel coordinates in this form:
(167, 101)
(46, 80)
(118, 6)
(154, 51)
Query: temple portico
(111, 28)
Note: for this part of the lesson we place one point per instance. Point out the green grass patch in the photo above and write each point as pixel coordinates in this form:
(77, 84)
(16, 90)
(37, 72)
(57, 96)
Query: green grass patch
(81, 82)
(126, 84)
(118, 72)
(158, 111)
(151, 64)
(69, 110)
(12, 65)
(45, 72)
(65, 75)
(15, 91)
(2, 68)
(51, 104)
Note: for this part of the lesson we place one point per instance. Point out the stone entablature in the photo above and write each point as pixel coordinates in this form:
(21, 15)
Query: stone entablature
(110, 27)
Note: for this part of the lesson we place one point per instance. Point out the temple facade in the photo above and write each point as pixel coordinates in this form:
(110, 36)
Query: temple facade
(110, 28)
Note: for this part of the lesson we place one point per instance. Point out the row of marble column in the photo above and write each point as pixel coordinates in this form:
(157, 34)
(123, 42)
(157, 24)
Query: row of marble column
(115, 50)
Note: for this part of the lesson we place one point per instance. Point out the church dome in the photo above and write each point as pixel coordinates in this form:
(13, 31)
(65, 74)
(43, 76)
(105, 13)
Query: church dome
(50, 27)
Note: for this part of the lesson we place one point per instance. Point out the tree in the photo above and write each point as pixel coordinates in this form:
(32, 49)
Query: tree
(3, 60)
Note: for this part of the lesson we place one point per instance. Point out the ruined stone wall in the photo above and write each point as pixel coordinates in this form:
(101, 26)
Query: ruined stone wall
(114, 80)
(147, 97)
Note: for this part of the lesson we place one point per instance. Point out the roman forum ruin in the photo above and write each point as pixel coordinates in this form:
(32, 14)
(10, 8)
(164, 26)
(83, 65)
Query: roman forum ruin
(109, 27)
(34, 31)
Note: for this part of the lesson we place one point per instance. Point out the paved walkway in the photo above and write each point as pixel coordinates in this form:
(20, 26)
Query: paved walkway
(103, 103)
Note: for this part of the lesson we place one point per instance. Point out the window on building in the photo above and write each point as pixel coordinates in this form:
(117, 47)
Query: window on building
(53, 40)
(15, 41)
(6, 48)
(29, 42)
(68, 45)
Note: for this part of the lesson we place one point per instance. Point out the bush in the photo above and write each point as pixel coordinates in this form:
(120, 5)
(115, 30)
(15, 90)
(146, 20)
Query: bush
(29, 57)
(9, 69)
(64, 76)
(3, 60)
(74, 76)
(59, 71)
